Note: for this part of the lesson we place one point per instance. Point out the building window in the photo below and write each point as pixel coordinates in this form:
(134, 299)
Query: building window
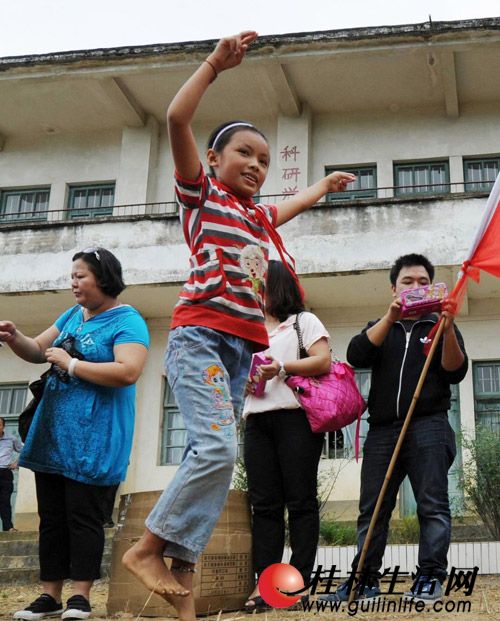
(341, 444)
(12, 400)
(174, 433)
(32, 204)
(415, 178)
(90, 201)
(480, 173)
(365, 185)
(487, 394)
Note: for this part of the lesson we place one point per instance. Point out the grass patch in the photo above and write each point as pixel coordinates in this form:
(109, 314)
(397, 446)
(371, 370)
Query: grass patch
(404, 530)
(334, 533)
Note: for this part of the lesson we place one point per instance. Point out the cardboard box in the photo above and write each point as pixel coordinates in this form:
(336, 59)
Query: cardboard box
(224, 575)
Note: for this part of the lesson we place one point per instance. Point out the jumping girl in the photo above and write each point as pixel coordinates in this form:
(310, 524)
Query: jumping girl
(217, 323)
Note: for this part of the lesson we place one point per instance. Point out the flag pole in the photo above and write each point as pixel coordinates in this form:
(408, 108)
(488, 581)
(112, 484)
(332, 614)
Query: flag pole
(394, 457)
(483, 255)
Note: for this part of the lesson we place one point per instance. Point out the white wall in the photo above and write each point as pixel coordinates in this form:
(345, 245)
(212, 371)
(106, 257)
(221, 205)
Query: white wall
(58, 160)
(409, 135)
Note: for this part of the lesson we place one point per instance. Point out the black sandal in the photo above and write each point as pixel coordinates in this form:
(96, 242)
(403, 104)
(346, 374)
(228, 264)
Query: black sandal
(256, 604)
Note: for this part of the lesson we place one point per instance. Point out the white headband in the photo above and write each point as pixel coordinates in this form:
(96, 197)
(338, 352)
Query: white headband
(224, 129)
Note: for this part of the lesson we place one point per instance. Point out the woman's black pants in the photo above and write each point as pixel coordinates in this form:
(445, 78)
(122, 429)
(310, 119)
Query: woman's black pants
(281, 459)
(71, 527)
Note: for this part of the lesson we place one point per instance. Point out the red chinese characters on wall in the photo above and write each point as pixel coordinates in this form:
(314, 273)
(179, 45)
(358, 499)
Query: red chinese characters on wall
(290, 169)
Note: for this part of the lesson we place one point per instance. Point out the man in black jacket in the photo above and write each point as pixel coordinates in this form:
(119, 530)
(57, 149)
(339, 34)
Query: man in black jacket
(393, 348)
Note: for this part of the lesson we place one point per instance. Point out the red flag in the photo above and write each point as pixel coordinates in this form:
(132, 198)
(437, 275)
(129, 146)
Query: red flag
(484, 253)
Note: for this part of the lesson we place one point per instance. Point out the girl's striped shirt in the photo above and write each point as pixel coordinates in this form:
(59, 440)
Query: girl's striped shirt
(228, 265)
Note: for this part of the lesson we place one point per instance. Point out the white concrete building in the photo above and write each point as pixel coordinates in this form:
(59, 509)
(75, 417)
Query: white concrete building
(414, 110)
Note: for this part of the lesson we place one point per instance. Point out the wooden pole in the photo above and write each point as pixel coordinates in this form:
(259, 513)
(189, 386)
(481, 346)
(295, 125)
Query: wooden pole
(394, 458)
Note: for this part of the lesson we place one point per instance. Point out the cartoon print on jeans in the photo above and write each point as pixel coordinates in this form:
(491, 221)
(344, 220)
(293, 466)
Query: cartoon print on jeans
(253, 263)
(214, 376)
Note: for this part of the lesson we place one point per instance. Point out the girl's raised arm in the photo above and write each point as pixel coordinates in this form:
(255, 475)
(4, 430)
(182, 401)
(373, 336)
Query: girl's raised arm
(228, 53)
(334, 182)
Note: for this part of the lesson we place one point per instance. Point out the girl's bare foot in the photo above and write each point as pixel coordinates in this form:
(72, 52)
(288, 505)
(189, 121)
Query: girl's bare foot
(145, 560)
(183, 605)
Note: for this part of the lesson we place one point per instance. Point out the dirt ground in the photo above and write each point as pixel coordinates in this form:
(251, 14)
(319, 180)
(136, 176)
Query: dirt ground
(484, 606)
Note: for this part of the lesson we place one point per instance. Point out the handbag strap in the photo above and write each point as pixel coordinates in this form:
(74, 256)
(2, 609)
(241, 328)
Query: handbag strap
(301, 351)
(286, 258)
(356, 438)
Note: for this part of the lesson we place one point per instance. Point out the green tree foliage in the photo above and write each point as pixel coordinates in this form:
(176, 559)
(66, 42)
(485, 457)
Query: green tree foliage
(481, 477)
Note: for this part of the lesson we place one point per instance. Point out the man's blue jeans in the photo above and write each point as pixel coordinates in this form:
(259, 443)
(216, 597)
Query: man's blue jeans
(426, 456)
(207, 371)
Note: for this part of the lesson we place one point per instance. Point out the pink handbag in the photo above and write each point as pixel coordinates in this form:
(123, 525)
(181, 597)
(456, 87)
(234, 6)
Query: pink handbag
(330, 401)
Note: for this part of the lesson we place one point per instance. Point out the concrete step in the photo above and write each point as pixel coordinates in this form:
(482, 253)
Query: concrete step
(18, 547)
(19, 554)
(31, 561)
(19, 535)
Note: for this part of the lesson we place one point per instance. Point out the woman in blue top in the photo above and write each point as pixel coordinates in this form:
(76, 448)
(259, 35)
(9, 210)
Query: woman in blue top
(80, 440)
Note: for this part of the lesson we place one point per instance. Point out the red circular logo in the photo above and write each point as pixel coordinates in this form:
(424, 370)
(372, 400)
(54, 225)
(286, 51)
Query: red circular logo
(276, 581)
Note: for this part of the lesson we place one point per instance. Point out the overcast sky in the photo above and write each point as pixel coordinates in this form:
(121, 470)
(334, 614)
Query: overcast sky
(38, 26)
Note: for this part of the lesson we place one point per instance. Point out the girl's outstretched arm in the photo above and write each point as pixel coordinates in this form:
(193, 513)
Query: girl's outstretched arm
(228, 53)
(334, 182)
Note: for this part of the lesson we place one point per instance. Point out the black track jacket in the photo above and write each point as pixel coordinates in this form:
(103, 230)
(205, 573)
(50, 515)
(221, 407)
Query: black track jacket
(396, 366)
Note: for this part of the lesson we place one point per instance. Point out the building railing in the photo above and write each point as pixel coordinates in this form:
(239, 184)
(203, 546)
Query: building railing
(359, 197)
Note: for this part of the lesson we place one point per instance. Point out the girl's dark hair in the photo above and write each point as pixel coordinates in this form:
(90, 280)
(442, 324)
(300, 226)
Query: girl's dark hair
(226, 136)
(105, 267)
(283, 297)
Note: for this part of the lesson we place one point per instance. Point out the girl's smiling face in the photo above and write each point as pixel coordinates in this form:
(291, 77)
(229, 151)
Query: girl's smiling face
(243, 162)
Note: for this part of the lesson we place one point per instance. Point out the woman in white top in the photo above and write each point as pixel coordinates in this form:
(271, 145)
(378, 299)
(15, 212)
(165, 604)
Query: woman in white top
(281, 452)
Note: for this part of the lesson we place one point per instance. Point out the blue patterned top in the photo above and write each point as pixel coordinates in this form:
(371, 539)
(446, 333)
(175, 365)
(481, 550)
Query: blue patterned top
(81, 430)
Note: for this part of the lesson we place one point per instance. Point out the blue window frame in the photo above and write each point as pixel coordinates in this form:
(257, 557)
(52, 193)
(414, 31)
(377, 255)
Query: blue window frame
(12, 400)
(91, 201)
(22, 205)
(480, 173)
(174, 432)
(341, 444)
(365, 185)
(414, 178)
(487, 394)
(173, 439)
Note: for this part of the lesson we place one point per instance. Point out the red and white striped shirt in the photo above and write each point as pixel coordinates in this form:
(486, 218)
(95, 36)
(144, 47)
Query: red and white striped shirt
(229, 255)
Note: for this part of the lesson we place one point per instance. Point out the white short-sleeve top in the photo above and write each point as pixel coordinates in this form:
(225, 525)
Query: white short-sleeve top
(283, 346)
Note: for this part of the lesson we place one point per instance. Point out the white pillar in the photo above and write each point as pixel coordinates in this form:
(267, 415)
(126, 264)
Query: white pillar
(456, 173)
(138, 163)
(294, 137)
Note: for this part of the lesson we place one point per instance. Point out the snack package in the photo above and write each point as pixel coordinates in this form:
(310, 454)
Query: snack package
(423, 300)
(254, 376)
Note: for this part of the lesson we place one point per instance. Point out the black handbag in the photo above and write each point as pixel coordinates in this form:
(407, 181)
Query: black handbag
(38, 386)
(26, 417)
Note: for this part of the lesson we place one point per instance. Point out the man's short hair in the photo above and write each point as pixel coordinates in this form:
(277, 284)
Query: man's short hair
(410, 260)
(2, 419)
